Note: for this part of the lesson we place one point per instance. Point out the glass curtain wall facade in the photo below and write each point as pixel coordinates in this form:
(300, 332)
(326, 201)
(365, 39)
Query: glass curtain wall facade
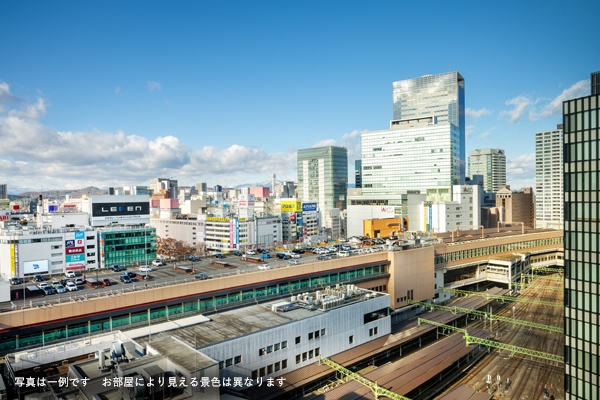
(441, 95)
(581, 235)
(549, 179)
(426, 159)
(323, 176)
(128, 247)
(491, 163)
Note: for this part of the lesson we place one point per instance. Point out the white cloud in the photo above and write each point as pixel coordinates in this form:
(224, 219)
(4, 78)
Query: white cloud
(521, 105)
(153, 85)
(520, 171)
(32, 153)
(469, 131)
(524, 104)
(477, 113)
(580, 89)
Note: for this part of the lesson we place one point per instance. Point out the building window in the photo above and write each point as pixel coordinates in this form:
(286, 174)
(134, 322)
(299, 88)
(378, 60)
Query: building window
(255, 374)
(350, 339)
(276, 347)
(284, 344)
(311, 354)
(298, 339)
(221, 364)
(317, 352)
(298, 359)
(310, 336)
(262, 352)
(262, 371)
(284, 364)
(269, 349)
(323, 332)
(229, 362)
(277, 366)
(237, 359)
(269, 369)
(305, 356)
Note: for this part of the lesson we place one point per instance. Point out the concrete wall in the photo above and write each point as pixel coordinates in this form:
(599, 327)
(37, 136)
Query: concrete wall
(411, 270)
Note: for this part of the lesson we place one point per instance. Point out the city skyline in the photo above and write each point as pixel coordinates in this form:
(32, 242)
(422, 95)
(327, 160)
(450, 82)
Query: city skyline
(227, 93)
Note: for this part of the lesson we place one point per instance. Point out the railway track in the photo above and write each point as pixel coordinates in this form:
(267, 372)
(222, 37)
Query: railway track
(521, 376)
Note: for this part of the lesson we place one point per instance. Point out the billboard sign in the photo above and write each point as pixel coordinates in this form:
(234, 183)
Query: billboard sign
(35, 267)
(126, 212)
(246, 201)
(308, 207)
(75, 250)
(291, 206)
(52, 208)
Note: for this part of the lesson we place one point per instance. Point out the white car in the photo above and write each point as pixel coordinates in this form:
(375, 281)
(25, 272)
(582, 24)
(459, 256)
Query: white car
(264, 266)
(44, 285)
(145, 268)
(343, 254)
(251, 252)
(70, 274)
(71, 286)
(157, 263)
(294, 262)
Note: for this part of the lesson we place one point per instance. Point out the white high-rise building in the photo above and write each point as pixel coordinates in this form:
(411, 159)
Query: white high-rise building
(549, 178)
(491, 163)
(414, 154)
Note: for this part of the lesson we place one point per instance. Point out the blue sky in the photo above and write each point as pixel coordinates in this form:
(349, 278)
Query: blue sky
(115, 93)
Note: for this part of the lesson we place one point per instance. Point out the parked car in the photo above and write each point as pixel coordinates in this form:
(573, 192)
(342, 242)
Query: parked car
(71, 286)
(251, 252)
(237, 253)
(343, 254)
(266, 255)
(145, 268)
(59, 288)
(38, 278)
(193, 258)
(44, 285)
(79, 281)
(105, 281)
(264, 266)
(125, 278)
(298, 251)
(201, 276)
(131, 274)
(116, 268)
(283, 256)
(324, 257)
(15, 281)
(157, 263)
(64, 281)
(70, 274)
(294, 262)
(219, 255)
(48, 290)
(54, 282)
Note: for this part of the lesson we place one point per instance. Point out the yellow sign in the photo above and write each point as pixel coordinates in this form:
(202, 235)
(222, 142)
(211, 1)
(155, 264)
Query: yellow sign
(217, 219)
(13, 267)
(291, 206)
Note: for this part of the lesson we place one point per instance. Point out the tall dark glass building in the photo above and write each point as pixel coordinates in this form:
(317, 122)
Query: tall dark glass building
(595, 79)
(582, 247)
(357, 173)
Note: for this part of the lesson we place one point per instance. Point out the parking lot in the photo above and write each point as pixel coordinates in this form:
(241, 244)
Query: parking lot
(170, 274)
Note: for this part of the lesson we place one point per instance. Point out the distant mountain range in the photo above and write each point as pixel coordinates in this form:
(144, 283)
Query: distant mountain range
(60, 194)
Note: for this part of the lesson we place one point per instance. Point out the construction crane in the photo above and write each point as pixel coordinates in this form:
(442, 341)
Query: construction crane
(377, 390)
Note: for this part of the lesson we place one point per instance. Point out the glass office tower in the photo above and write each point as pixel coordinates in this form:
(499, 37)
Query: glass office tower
(323, 176)
(582, 230)
(491, 163)
(441, 95)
